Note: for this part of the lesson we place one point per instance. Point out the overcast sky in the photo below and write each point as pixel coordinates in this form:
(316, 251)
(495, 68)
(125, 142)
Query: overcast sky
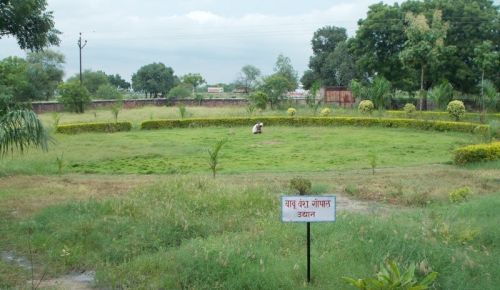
(212, 37)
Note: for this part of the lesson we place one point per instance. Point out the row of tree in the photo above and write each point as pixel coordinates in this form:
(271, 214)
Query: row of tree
(414, 45)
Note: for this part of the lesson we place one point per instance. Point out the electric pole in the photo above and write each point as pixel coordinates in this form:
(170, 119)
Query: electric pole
(81, 46)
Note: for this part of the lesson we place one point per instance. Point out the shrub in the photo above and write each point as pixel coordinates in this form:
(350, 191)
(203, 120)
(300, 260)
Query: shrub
(325, 112)
(94, 127)
(409, 109)
(366, 107)
(477, 153)
(460, 194)
(259, 99)
(291, 112)
(456, 109)
(302, 185)
(74, 96)
(180, 92)
(391, 276)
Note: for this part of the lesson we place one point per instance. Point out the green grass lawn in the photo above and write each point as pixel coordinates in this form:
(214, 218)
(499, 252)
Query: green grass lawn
(279, 149)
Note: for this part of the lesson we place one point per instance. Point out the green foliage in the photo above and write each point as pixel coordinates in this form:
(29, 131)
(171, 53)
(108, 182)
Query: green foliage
(154, 79)
(366, 107)
(182, 111)
(301, 185)
(117, 81)
(477, 153)
(318, 121)
(456, 109)
(179, 92)
(44, 74)
(213, 155)
(74, 96)
(249, 77)
(275, 87)
(490, 95)
(20, 129)
(56, 117)
(392, 277)
(259, 99)
(108, 92)
(29, 22)
(94, 127)
(284, 68)
(91, 80)
(380, 92)
(359, 91)
(291, 112)
(460, 194)
(325, 112)
(409, 110)
(115, 110)
(442, 94)
(194, 80)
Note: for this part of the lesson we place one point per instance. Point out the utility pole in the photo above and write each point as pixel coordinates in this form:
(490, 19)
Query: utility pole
(81, 46)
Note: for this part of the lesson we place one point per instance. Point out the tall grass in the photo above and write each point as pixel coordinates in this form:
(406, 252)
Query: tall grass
(198, 233)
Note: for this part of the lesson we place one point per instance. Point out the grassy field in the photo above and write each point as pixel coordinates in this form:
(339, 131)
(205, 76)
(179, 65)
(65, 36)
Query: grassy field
(141, 209)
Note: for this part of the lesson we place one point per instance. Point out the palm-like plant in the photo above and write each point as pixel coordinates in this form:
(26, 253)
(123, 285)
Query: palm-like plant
(20, 129)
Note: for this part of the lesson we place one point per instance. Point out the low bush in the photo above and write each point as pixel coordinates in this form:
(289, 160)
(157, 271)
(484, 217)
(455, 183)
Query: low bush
(291, 112)
(456, 109)
(477, 153)
(318, 121)
(325, 112)
(94, 127)
(409, 109)
(366, 107)
(302, 185)
(460, 194)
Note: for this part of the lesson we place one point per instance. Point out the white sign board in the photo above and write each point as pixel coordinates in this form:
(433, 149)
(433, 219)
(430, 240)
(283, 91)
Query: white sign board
(308, 208)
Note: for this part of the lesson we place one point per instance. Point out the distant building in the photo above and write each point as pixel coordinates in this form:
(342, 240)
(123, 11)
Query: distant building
(215, 90)
(341, 96)
(298, 94)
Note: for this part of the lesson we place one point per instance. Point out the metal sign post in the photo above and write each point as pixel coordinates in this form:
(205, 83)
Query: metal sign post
(308, 209)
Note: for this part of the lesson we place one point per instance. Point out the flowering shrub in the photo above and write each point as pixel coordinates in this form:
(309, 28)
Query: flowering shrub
(456, 109)
(366, 107)
(409, 109)
(291, 112)
(325, 112)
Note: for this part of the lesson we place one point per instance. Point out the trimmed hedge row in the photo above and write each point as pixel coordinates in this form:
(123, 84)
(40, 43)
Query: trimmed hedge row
(477, 153)
(94, 127)
(318, 121)
(442, 115)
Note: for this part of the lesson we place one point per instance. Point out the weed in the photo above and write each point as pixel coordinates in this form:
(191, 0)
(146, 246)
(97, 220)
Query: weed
(460, 194)
(60, 163)
(213, 155)
(302, 185)
(351, 189)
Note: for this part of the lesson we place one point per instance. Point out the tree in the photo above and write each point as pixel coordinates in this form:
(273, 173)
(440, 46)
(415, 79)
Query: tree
(308, 79)
(249, 76)
(44, 73)
(13, 78)
(154, 79)
(332, 63)
(284, 68)
(194, 80)
(377, 44)
(180, 92)
(117, 81)
(108, 92)
(423, 45)
(20, 128)
(92, 80)
(29, 22)
(487, 60)
(74, 96)
(275, 87)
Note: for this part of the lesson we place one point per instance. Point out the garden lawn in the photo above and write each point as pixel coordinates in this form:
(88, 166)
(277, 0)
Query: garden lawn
(279, 149)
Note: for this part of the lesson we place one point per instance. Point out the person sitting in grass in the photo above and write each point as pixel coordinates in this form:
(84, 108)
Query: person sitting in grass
(257, 128)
